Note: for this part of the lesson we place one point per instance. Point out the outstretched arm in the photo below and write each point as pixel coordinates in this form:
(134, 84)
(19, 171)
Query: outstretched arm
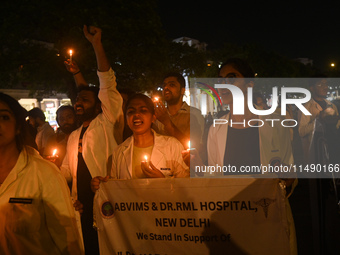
(111, 100)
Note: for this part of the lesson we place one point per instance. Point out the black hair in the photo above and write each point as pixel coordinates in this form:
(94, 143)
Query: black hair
(65, 107)
(36, 113)
(20, 115)
(178, 76)
(147, 100)
(93, 89)
(240, 65)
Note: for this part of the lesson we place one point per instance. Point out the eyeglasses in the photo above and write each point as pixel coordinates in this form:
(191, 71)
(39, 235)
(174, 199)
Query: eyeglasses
(229, 79)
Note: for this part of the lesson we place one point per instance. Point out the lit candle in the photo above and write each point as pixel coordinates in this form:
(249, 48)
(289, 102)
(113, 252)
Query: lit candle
(71, 55)
(54, 153)
(155, 99)
(146, 158)
(190, 149)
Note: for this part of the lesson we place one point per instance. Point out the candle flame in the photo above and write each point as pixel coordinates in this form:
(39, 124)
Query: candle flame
(54, 152)
(71, 52)
(189, 144)
(156, 99)
(146, 158)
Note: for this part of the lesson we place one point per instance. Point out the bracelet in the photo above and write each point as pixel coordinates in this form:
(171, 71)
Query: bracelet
(76, 73)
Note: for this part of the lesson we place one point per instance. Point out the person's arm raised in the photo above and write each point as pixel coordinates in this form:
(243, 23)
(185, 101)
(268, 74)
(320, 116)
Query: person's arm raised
(111, 100)
(94, 35)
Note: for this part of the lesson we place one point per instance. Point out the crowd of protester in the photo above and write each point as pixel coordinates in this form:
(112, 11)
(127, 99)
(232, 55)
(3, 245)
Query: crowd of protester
(106, 134)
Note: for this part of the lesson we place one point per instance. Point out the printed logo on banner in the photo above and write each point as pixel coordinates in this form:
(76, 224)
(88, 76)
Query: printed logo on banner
(107, 209)
(265, 203)
(275, 161)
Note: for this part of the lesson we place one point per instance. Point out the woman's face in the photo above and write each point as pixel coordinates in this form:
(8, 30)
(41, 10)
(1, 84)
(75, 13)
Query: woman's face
(233, 77)
(138, 116)
(8, 128)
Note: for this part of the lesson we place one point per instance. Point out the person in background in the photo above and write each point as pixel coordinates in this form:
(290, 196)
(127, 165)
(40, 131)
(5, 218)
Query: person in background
(36, 212)
(260, 101)
(178, 119)
(145, 154)
(324, 119)
(90, 147)
(44, 130)
(319, 134)
(56, 146)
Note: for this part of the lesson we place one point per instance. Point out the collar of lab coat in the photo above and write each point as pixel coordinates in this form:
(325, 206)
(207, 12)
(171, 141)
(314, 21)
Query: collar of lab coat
(21, 163)
(156, 154)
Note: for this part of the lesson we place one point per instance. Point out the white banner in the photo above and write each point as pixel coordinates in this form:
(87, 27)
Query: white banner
(192, 216)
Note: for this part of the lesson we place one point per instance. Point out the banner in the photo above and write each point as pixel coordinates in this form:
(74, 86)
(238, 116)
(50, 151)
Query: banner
(192, 216)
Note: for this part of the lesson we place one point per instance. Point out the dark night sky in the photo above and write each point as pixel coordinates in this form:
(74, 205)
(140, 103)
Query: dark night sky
(307, 29)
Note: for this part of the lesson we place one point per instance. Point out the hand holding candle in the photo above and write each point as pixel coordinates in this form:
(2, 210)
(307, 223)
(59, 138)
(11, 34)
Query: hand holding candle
(145, 161)
(155, 100)
(149, 170)
(52, 158)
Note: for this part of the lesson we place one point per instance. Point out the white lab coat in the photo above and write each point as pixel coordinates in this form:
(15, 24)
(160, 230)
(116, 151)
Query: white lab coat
(275, 144)
(98, 141)
(166, 156)
(42, 221)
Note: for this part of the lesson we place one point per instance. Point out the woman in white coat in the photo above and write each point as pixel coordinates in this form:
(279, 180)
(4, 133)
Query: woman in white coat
(145, 154)
(36, 212)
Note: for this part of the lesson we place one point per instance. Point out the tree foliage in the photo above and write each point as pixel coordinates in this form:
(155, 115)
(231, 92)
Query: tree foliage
(35, 37)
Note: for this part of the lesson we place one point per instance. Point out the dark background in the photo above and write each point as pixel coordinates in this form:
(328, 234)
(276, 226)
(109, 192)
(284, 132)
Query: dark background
(306, 29)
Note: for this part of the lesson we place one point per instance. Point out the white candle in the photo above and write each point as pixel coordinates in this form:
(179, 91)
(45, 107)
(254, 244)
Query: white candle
(71, 55)
(190, 149)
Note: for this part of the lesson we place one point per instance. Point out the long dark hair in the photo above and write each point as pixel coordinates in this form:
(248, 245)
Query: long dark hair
(20, 114)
